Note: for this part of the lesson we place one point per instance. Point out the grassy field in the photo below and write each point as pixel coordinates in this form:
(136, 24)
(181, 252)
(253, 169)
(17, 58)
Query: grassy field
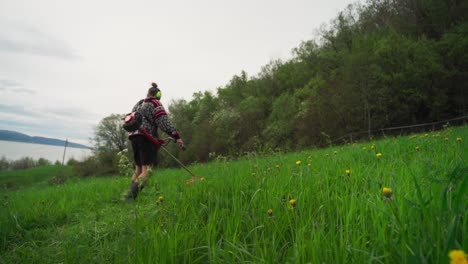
(317, 206)
(39, 176)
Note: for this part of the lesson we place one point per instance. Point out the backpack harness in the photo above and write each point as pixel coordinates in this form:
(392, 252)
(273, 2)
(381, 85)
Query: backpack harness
(133, 121)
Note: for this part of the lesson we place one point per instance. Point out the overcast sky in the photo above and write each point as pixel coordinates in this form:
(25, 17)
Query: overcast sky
(65, 65)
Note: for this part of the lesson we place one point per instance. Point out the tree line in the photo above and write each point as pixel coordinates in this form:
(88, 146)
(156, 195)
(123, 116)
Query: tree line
(379, 64)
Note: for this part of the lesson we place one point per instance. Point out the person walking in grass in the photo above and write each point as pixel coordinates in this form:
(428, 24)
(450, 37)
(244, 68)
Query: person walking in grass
(145, 141)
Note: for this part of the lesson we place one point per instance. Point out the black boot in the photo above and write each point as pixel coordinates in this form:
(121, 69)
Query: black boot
(134, 190)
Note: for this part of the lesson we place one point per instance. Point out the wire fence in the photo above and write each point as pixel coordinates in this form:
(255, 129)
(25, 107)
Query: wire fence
(403, 130)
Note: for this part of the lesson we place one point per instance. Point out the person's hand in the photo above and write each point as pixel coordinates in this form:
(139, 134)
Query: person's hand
(180, 143)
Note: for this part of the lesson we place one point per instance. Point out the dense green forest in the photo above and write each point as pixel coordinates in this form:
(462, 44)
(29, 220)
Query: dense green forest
(377, 64)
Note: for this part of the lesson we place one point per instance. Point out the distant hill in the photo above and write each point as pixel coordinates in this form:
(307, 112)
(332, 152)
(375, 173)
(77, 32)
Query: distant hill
(20, 137)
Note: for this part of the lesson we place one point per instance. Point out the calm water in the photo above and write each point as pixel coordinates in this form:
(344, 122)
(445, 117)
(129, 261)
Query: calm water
(16, 150)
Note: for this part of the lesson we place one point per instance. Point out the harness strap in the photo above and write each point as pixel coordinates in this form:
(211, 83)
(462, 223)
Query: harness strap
(159, 107)
(157, 142)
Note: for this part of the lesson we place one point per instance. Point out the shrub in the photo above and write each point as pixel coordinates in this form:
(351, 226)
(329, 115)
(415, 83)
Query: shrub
(72, 162)
(4, 164)
(125, 165)
(87, 167)
(23, 163)
(58, 179)
(43, 162)
(108, 162)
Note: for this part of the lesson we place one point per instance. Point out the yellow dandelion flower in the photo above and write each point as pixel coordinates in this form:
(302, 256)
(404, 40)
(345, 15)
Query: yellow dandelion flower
(378, 155)
(387, 192)
(292, 202)
(459, 139)
(458, 257)
(202, 179)
(277, 166)
(326, 155)
(417, 148)
(334, 152)
(161, 198)
(298, 163)
(270, 212)
(373, 146)
(348, 172)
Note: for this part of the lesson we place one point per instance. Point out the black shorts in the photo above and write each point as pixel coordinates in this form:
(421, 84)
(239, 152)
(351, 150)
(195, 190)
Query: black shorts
(144, 151)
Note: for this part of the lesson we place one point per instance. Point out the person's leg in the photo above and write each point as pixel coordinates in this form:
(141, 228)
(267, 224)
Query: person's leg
(144, 177)
(144, 157)
(137, 173)
(137, 157)
(134, 185)
(149, 153)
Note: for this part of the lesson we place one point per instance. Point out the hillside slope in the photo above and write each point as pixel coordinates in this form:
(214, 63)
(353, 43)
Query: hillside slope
(314, 206)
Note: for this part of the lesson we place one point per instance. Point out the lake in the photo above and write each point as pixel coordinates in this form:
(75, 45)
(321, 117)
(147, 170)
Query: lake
(16, 150)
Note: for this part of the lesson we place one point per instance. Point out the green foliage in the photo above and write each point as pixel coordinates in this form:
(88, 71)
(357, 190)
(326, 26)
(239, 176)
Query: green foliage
(43, 162)
(336, 217)
(38, 176)
(109, 134)
(103, 162)
(88, 167)
(377, 65)
(110, 139)
(58, 179)
(23, 163)
(125, 165)
(4, 164)
(226, 133)
(72, 162)
(280, 129)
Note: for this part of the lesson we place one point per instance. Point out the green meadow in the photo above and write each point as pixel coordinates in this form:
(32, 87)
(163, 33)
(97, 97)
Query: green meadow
(313, 206)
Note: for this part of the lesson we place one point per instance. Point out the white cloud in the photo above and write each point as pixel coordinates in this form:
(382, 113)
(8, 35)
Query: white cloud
(42, 122)
(12, 87)
(16, 37)
(76, 62)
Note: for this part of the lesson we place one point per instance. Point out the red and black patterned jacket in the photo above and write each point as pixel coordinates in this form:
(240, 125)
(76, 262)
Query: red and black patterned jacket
(154, 117)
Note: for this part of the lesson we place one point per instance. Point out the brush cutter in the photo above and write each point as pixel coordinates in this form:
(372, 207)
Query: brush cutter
(162, 146)
(160, 143)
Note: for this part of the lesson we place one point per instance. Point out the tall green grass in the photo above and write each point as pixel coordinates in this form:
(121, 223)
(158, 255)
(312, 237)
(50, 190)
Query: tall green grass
(338, 218)
(16, 179)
